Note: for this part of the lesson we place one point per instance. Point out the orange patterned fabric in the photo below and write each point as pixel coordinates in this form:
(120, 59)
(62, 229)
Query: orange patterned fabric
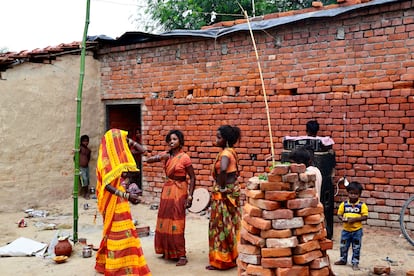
(225, 217)
(232, 155)
(169, 233)
(120, 251)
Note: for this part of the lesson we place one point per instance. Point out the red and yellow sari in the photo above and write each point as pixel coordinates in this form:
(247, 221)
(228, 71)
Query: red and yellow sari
(169, 234)
(120, 251)
(225, 218)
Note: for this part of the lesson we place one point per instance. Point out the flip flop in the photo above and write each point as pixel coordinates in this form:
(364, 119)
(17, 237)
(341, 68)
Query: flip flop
(210, 267)
(182, 261)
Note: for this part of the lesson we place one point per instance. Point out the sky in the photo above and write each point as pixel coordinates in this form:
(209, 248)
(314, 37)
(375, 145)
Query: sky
(31, 24)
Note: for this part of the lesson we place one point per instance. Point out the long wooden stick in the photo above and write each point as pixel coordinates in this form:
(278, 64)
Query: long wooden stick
(78, 125)
(263, 86)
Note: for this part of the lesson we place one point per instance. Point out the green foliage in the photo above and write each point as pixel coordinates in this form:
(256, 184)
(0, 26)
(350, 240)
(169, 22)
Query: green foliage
(193, 14)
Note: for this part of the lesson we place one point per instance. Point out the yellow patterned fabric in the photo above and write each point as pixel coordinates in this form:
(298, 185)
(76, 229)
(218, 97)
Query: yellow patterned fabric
(120, 251)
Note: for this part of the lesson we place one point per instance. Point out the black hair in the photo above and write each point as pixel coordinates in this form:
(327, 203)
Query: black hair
(179, 134)
(312, 127)
(231, 134)
(354, 186)
(84, 138)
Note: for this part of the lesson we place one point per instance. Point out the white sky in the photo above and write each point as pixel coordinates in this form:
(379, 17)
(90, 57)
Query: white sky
(31, 24)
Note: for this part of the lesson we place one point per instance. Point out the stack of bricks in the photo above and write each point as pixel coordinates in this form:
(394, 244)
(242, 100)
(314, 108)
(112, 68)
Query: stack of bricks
(283, 229)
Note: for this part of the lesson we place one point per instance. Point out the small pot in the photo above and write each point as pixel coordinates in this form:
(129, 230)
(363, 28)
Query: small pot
(87, 252)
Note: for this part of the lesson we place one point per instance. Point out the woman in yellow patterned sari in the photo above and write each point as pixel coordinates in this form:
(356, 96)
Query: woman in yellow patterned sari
(120, 251)
(225, 218)
(176, 196)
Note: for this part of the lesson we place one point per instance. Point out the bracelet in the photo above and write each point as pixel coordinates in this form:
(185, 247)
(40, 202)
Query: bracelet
(126, 196)
(158, 158)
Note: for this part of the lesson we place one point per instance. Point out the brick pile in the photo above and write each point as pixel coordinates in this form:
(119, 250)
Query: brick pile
(283, 230)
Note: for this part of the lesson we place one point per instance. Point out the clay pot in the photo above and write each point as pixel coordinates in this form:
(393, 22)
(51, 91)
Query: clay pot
(63, 247)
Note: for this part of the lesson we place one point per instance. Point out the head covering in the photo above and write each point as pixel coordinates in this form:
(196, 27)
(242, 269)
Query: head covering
(114, 158)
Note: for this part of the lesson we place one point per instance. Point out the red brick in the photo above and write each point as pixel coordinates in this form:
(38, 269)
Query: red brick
(280, 195)
(256, 270)
(259, 223)
(251, 229)
(301, 203)
(252, 239)
(248, 249)
(265, 204)
(276, 252)
(313, 236)
(273, 233)
(326, 244)
(275, 186)
(274, 178)
(251, 210)
(278, 214)
(307, 257)
(307, 228)
(309, 211)
(297, 168)
(290, 178)
(313, 219)
(280, 169)
(277, 262)
(295, 270)
(306, 247)
(281, 243)
(255, 194)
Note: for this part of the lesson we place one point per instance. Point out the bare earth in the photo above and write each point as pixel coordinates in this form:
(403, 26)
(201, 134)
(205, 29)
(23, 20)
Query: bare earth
(377, 244)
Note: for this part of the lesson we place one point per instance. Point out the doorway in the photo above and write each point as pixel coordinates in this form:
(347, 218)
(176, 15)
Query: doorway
(127, 117)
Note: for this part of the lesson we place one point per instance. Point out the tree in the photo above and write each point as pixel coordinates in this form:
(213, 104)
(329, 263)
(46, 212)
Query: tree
(193, 14)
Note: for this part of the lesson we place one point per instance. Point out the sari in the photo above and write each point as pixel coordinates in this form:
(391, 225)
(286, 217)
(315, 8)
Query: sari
(169, 233)
(225, 218)
(120, 251)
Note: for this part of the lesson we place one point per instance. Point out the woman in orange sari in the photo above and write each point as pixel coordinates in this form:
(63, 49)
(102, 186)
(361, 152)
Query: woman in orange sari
(120, 251)
(225, 218)
(176, 196)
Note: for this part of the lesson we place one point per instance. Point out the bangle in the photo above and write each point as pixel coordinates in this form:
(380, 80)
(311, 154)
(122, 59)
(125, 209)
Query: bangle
(190, 198)
(158, 158)
(222, 190)
(126, 196)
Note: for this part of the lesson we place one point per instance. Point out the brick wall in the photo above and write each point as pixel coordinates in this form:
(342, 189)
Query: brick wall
(353, 73)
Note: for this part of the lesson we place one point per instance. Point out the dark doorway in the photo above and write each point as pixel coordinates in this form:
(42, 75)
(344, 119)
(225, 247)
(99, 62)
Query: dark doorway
(127, 117)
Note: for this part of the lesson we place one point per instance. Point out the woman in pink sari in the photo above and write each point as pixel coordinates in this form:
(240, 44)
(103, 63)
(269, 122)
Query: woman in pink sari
(176, 196)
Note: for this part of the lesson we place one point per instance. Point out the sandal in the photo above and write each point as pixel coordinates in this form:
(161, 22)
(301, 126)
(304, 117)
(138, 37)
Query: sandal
(182, 261)
(210, 267)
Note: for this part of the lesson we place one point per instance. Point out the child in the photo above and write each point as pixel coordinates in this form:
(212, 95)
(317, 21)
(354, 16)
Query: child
(304, 155)
(352, 212)
(84, 158)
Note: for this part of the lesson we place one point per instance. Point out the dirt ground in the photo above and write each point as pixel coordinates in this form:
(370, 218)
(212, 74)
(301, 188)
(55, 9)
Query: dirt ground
(377, 244)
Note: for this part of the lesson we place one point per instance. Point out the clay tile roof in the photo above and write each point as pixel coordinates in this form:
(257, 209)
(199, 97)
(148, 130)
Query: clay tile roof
(41, 55)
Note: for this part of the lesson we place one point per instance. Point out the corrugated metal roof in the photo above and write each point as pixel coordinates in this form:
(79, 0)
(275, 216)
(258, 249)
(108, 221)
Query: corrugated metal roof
(256, 24)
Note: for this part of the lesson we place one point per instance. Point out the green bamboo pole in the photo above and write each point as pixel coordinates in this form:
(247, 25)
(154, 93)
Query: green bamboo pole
(78, 125)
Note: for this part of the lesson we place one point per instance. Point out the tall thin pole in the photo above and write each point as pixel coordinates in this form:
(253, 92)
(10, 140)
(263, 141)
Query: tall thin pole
(78, 125)
(272, 150)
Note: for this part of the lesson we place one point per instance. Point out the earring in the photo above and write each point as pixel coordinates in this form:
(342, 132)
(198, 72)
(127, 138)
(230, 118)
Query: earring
(227, 144)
